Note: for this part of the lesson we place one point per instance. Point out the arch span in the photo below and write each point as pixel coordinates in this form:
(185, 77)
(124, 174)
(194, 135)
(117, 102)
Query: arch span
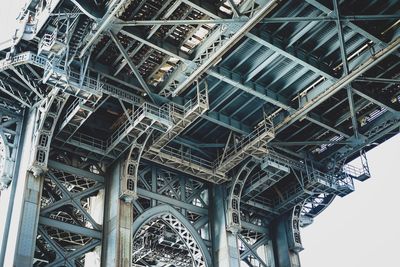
(235, 194)
(131, 166)
(182, 227)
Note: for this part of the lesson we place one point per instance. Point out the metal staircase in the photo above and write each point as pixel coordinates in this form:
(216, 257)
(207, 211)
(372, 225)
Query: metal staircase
(182, 116)
(272, 172)
(139, 122)
(81, 29)
(79, 111)
(22, 74)
(253, 144)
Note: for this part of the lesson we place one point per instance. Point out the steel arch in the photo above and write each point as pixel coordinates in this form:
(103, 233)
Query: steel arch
(182, 227)
(235, 194)
(131, 167)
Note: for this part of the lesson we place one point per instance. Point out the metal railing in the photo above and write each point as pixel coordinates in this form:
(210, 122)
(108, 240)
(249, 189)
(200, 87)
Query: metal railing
(146, 110)
(264, 129)
(188, 157)
(143, 111)
(49, 68)
(355, 171)
(84, 139)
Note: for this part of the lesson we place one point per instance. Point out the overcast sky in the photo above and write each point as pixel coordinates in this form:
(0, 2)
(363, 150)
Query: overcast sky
(8, 13)
(363, 228)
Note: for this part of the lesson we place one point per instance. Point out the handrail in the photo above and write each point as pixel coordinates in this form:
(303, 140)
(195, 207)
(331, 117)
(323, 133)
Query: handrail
(144, 110)
(354, 171)
(188, 157)
(264, 128)
(44, 63)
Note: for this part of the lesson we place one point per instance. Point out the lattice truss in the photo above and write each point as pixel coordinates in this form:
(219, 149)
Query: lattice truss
(159, 186)
(69, 226)
(238, 95)
(10, 130)
(167, 59)
(165, 240)
(157, 243)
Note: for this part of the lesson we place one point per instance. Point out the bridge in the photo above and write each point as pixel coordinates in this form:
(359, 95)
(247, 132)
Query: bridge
(186, 132)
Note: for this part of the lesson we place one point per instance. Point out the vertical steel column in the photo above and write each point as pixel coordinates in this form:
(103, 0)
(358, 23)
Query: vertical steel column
(118, 219)
(225, 244)
(7, 197)
(96, 210)
(21, 239)
(280, 234)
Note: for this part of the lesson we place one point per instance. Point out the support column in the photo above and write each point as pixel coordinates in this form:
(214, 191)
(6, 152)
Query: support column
(22, 230)
(7, 196)
(286, 241)
(118, 219)
(96, 210)
(225, 244)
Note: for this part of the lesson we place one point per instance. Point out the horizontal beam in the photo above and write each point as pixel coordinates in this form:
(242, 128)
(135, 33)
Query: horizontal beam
(322, 94)
(257, 228)
(133, 23)
(148, 194)
(377, 80)
(227, 122)
(70, 227)
(250, 87)
(310, 143)
(76, 171)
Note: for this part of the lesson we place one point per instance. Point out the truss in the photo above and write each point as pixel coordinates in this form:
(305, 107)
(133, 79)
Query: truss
(193, 110)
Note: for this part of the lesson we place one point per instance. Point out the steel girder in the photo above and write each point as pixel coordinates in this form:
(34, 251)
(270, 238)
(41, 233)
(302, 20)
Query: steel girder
(66, 226)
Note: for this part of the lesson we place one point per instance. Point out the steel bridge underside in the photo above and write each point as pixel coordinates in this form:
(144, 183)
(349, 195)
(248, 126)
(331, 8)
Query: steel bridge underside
(185, 132)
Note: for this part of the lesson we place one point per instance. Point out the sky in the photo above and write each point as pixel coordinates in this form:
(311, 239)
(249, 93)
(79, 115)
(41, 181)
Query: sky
(8, 15)
(363, 228)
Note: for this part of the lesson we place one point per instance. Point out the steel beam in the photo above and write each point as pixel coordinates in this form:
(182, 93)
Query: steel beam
(167, 200)
(252, 252)
(76, 171)
(112, 9)
(319, 95)
(378, 80)
(213, 58)
(133, 23)
(349, 24)
(132, 65)
(70, 227)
